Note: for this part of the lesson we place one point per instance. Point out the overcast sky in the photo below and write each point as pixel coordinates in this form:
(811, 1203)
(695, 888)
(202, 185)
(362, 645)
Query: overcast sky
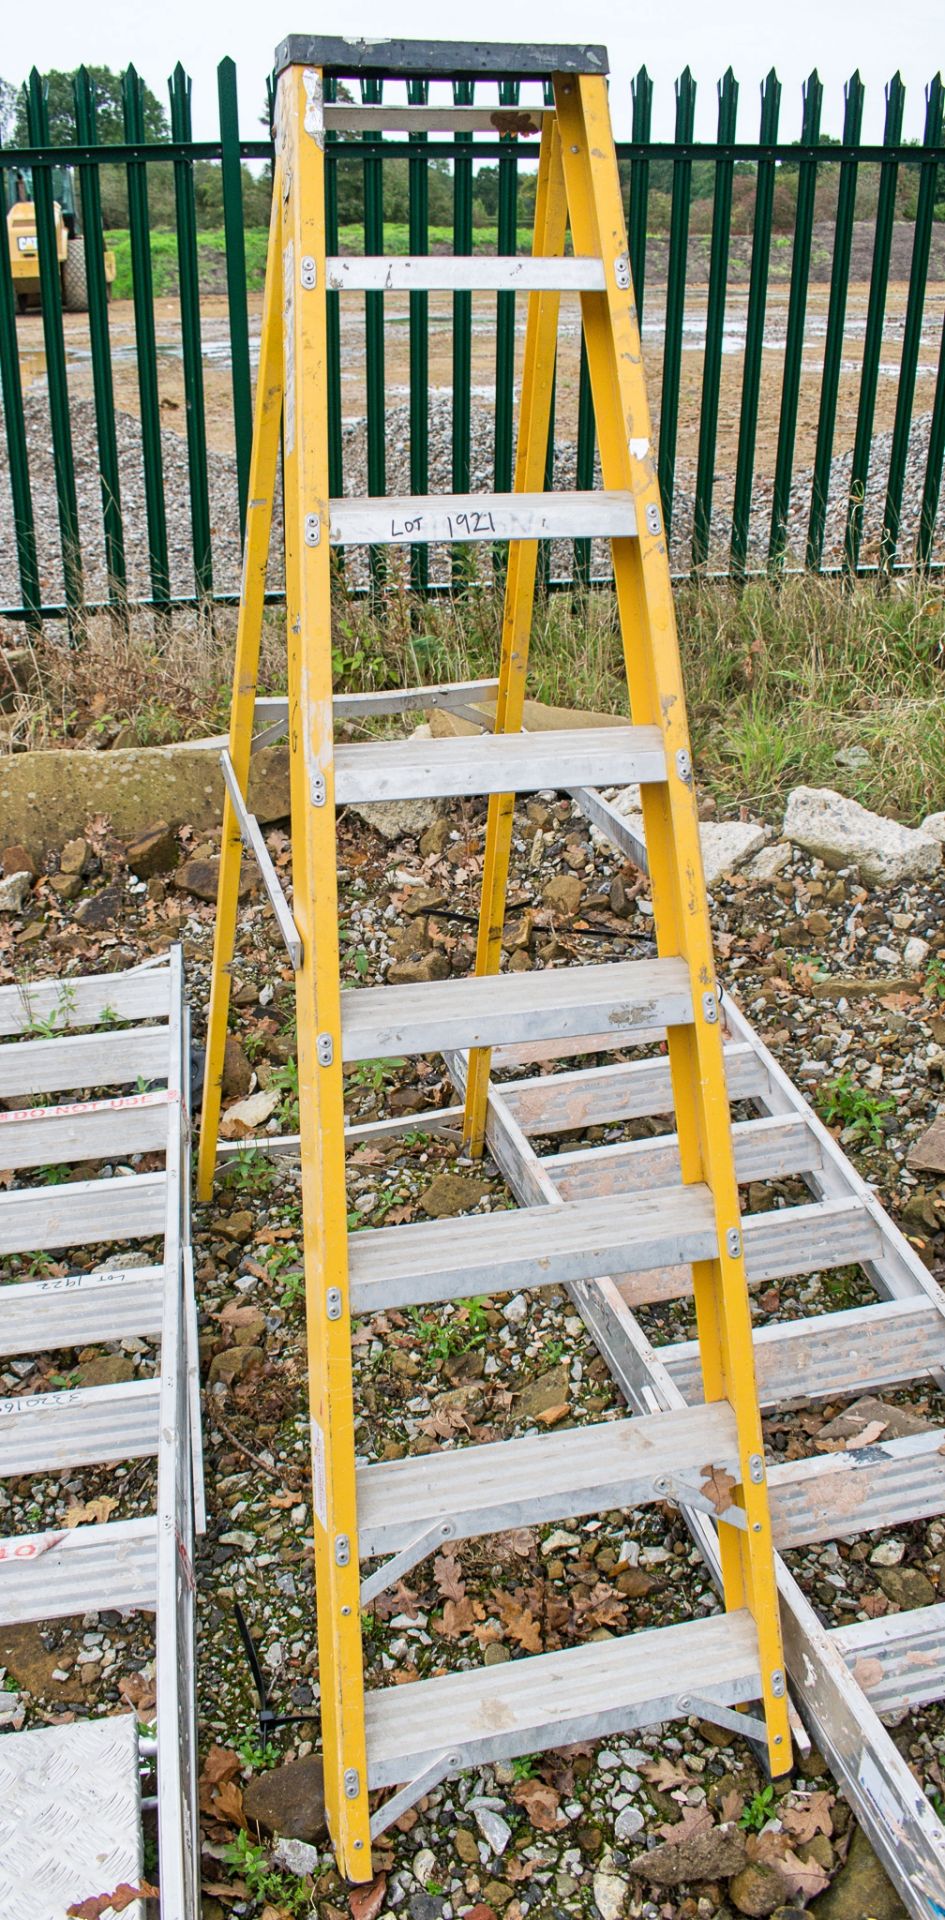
(792, 35)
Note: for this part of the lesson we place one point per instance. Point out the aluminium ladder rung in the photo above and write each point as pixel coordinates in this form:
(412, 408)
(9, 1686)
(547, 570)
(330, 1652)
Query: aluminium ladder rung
(778, 1246)
(528, 1247)
(887, 1484)
(550, 1003)
(406, 520)
(452, 766)
(81, 1309)
(66, 1571)
(37, 1219)
(340, 117)
(626, 1090)
(84, 1130)
(102, 1059)
(527, 1482)
(554, 1699)
(456, 273)
(765, 1149)
(855, 1351)
(79, 1427)
(143, 993)
(898, 1660)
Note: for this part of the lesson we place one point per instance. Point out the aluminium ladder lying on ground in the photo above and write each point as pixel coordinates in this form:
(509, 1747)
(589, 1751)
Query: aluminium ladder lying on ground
(70, 1813)
(370, 1741)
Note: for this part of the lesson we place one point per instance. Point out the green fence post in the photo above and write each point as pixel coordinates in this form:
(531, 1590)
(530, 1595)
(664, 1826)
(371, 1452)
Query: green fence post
(97, 288)
(418, 215)
(932, 484)
(797, 310)
(188, 269)
(715, 322)
(912, 330)
(676, 293)
(143, 292)
(506, 243)
(371, 94)
(333, 319)
(584, 475)
(231, 180)
(37, 117)
(875, 315)
(836, 317)
(24, 531)
(641, 90)
(463, 94)
(755, 325)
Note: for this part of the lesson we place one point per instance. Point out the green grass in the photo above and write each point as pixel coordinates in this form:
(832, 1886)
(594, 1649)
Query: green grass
(779, 678)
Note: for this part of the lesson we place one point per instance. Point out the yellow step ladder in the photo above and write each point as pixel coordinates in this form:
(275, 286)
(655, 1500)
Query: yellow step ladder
(405, 1509)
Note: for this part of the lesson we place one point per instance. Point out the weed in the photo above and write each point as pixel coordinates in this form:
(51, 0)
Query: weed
(856, 1110)
(248, 1171)
(758, 1811)
(252, 1864)
(53, 1176)
(935, 978)
(937, 1804)
(441, 1339)
(523, 1766)
(286, 1081)
(476, 1317)
(553, 1351)
(108, 1018)
(375, 1074)
(257, 1757)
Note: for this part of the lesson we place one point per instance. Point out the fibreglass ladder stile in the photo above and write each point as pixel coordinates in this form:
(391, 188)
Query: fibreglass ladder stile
(407, 1508)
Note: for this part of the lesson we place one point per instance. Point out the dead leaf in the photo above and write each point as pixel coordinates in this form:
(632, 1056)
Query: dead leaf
(228, 1803)
(236, 1315)
(399, 1599)
(867, 1673)
(93, 1513)
(542, 1804)
(458, 1619)
(717, 1486)
(603, 1607)
(366, 1902)
(665, 1774)
(731, 1806)
(115, 1902)
(519, 1622)
(139, 1693)
(692, 1821)
(449, 1579)
(814, 1816)
(874, 1605)
(806, 1878)
(221, 1763)
(869, 1435)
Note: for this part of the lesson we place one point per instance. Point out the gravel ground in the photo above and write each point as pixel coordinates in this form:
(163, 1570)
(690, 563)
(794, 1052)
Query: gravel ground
(566, 1833)
(224, 523)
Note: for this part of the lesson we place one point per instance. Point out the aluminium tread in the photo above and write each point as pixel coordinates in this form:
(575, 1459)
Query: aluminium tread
(62, 1572)
(128, 1207)
(455, 273)
(405, 520)
(529, 1246)
(764, 1149)
(418, 768)
(71, 1060)
(143, 993)
(78, 1427)
(541, 1477)
(480, 1010)
(80, 1309)
(855, 1351)
(553, 1699)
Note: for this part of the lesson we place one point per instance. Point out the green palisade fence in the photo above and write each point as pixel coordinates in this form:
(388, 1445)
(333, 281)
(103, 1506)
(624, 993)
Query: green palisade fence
(792, 319)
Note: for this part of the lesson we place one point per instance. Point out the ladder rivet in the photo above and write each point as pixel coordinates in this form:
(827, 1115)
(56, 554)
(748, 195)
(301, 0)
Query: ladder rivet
(710, 1008)
(575, 149)
(352, 1783)
(333, 1303)
(342, 1550)
(325, 1049)
(756, 1468)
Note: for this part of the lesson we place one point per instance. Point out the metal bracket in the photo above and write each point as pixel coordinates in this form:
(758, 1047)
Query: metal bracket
(307, 272)
(652, 516)
(409, 1556)
(414, 1790)
(342, 1550)
(324, 1049)
(684, 765)
(733, 1243)
(313, 530)
(622, 271)
(710, 1008)
(318, 789)
(747, 1724)
(683, 1494)
(352, 1783)
(333, 1303)
(756, 1469)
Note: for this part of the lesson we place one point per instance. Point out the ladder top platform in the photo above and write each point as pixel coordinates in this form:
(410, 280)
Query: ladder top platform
(436, 59)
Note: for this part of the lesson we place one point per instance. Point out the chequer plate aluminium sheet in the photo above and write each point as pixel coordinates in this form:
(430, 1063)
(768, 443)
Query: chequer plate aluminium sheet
(70, 1821)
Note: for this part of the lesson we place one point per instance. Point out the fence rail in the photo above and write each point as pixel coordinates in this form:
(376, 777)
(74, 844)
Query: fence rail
(727, 239)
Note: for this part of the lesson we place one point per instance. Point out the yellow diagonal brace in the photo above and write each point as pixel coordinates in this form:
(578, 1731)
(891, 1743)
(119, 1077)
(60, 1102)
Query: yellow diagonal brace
(263, 467)
(541, 332)
(645, 602)
(301, 144)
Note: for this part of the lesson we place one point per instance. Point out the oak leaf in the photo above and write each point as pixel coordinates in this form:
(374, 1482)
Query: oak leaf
(115, 1902)
(815, 1816)
(692, 1821)
(221, 1763)
(458, 1618)
(519, 1622)
(717, 1486)
(665, 1774)
(448, 1577)
(542, 1804)
(92, 1512)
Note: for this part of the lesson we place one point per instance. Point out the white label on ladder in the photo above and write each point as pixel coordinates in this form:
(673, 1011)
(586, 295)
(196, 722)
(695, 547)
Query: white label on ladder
(314, 116)
(288, 324)
(319, 1489)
